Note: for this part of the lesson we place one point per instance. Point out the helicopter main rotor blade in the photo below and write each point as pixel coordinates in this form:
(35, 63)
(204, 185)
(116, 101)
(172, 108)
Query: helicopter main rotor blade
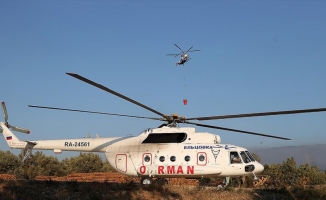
(286, 112)
(178, 55)
(4, 110)
(114, 93)
(235, 130)
(175, 55)
(193, 50)
(189, 49)
(178, 47)
(94, 112)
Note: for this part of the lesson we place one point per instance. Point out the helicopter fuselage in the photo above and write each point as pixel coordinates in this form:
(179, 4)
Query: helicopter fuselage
(183, 59)
(161, 152)
(184, 153)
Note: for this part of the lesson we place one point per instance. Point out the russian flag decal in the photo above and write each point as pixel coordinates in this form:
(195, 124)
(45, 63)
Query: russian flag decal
(9, 137)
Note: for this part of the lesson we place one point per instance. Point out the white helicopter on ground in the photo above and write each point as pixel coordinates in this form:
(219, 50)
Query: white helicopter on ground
(168, 151)
(184, 55)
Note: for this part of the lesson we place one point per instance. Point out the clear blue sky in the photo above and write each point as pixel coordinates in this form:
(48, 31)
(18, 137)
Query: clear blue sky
(256, 56)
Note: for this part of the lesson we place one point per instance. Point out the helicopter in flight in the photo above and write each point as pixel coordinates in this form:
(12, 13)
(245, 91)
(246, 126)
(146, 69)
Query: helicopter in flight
(184, 55)
(168, 151)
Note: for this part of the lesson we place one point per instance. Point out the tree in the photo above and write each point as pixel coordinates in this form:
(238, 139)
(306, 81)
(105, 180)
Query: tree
(107, 167)
(289, 171)
(41, 164)
(8, 162)
(85, 162)
(256, 157)
(315, 175)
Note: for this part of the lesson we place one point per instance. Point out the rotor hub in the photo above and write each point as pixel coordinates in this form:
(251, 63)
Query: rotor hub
(174, 119)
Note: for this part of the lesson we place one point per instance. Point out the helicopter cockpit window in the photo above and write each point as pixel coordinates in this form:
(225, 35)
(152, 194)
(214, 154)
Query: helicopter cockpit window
(250, 156)
(162, 158)
(147, 159)
(234, 157)
(187, 158)
(173, 158)
(244, 157)
(165, 138)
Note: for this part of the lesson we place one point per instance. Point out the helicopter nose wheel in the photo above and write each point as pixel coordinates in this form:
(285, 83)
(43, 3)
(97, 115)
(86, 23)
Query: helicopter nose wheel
(146, 181)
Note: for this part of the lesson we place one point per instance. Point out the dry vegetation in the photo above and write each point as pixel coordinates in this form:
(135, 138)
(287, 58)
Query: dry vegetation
(110, 177)
(118, 186)
(87, 176)
(87, 190)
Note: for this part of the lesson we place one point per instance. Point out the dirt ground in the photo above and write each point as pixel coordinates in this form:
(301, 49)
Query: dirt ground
(19, 189)
(117, 186)
(110, 177)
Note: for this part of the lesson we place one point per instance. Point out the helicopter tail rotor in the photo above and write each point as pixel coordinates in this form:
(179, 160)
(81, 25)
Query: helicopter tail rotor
(14, 128)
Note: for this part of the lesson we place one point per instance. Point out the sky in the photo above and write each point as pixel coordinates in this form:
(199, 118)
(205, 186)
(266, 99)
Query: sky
(256, 56)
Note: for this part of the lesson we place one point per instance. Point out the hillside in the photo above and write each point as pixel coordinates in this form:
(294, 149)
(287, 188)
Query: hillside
(311, 154)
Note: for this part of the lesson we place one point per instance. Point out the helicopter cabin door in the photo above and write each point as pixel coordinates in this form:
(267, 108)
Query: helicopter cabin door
(121, 162)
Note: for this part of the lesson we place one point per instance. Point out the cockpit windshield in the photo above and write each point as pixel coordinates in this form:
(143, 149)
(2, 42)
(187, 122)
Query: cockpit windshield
(244, 157)
(250, 156)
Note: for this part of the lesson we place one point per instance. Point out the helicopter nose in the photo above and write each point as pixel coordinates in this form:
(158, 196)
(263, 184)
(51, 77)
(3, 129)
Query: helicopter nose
(259, 168)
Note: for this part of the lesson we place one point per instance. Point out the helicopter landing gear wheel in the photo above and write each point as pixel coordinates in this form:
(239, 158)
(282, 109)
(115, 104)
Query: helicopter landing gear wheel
(146, 181)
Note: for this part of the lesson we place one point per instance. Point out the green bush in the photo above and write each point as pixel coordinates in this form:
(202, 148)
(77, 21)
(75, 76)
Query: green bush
(8, 162)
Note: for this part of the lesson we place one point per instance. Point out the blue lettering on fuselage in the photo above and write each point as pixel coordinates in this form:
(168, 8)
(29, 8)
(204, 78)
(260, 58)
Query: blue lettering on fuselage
(206, 147)
(198, 147)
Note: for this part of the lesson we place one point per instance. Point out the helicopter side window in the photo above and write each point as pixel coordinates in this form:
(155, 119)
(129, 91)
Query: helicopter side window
(165, 138)
(201, 158)
(234, 157)
(250, 156)
(173, 158)
(147, 159)
(162, 158)
(187, 158)
(244, 157)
